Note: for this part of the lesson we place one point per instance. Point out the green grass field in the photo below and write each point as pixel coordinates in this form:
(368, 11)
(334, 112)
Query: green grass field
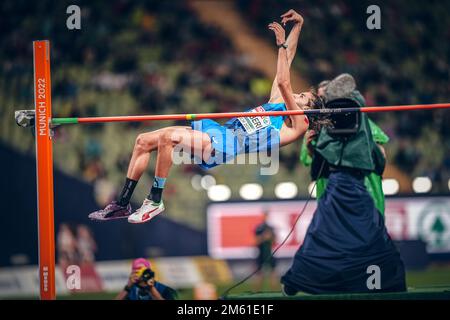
(433, 283)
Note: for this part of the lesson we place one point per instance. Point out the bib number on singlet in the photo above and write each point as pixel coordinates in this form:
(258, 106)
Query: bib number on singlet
(253, 124)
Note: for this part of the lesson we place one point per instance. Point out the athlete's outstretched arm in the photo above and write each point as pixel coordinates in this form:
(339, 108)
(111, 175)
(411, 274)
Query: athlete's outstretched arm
(291, 41)
(299, 125)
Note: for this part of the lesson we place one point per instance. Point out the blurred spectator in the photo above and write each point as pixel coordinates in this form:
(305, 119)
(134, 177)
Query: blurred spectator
(264, 238)
(86, 244)
(76, 248)
(67, 245)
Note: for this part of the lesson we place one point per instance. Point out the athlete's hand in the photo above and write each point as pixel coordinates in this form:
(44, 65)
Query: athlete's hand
(280, 34)
(291, 15)
(310, 136)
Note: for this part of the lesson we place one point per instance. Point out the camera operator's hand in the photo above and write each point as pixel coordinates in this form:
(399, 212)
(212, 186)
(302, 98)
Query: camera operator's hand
(132, 280)
(311, 135)
(153, 291)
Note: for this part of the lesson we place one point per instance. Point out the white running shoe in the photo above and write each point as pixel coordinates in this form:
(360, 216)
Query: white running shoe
(146, 212)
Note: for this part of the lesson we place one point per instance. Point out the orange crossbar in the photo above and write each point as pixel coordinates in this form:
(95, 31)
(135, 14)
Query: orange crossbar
(199, 116)
(44, 169)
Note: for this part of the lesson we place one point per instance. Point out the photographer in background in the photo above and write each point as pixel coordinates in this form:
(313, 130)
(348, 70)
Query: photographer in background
(264, 239)
(143, 286)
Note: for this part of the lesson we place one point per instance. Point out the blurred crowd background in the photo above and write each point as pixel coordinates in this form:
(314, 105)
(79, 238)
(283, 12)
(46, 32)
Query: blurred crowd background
(157, 57)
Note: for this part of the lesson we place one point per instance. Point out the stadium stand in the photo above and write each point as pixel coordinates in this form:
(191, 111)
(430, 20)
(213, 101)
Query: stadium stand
(157, 57)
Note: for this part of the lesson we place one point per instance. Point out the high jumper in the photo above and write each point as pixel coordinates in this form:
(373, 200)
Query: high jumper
(212, 143)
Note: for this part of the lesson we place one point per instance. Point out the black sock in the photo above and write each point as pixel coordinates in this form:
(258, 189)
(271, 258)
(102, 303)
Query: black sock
(155, 194)
(127, 191)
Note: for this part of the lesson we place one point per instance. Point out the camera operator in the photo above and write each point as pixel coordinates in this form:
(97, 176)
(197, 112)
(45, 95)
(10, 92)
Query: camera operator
(347, 234)
(143, 286)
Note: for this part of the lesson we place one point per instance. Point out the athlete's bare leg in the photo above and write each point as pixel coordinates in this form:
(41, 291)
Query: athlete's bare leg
(145, 143)
(187, 140)
(192, 141)
(163, 141)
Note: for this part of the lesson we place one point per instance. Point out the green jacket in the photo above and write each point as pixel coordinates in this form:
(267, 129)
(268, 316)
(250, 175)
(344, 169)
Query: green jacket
(353, 156)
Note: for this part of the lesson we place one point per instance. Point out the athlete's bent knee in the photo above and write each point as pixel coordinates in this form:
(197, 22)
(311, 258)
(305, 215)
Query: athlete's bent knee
(141, 144)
